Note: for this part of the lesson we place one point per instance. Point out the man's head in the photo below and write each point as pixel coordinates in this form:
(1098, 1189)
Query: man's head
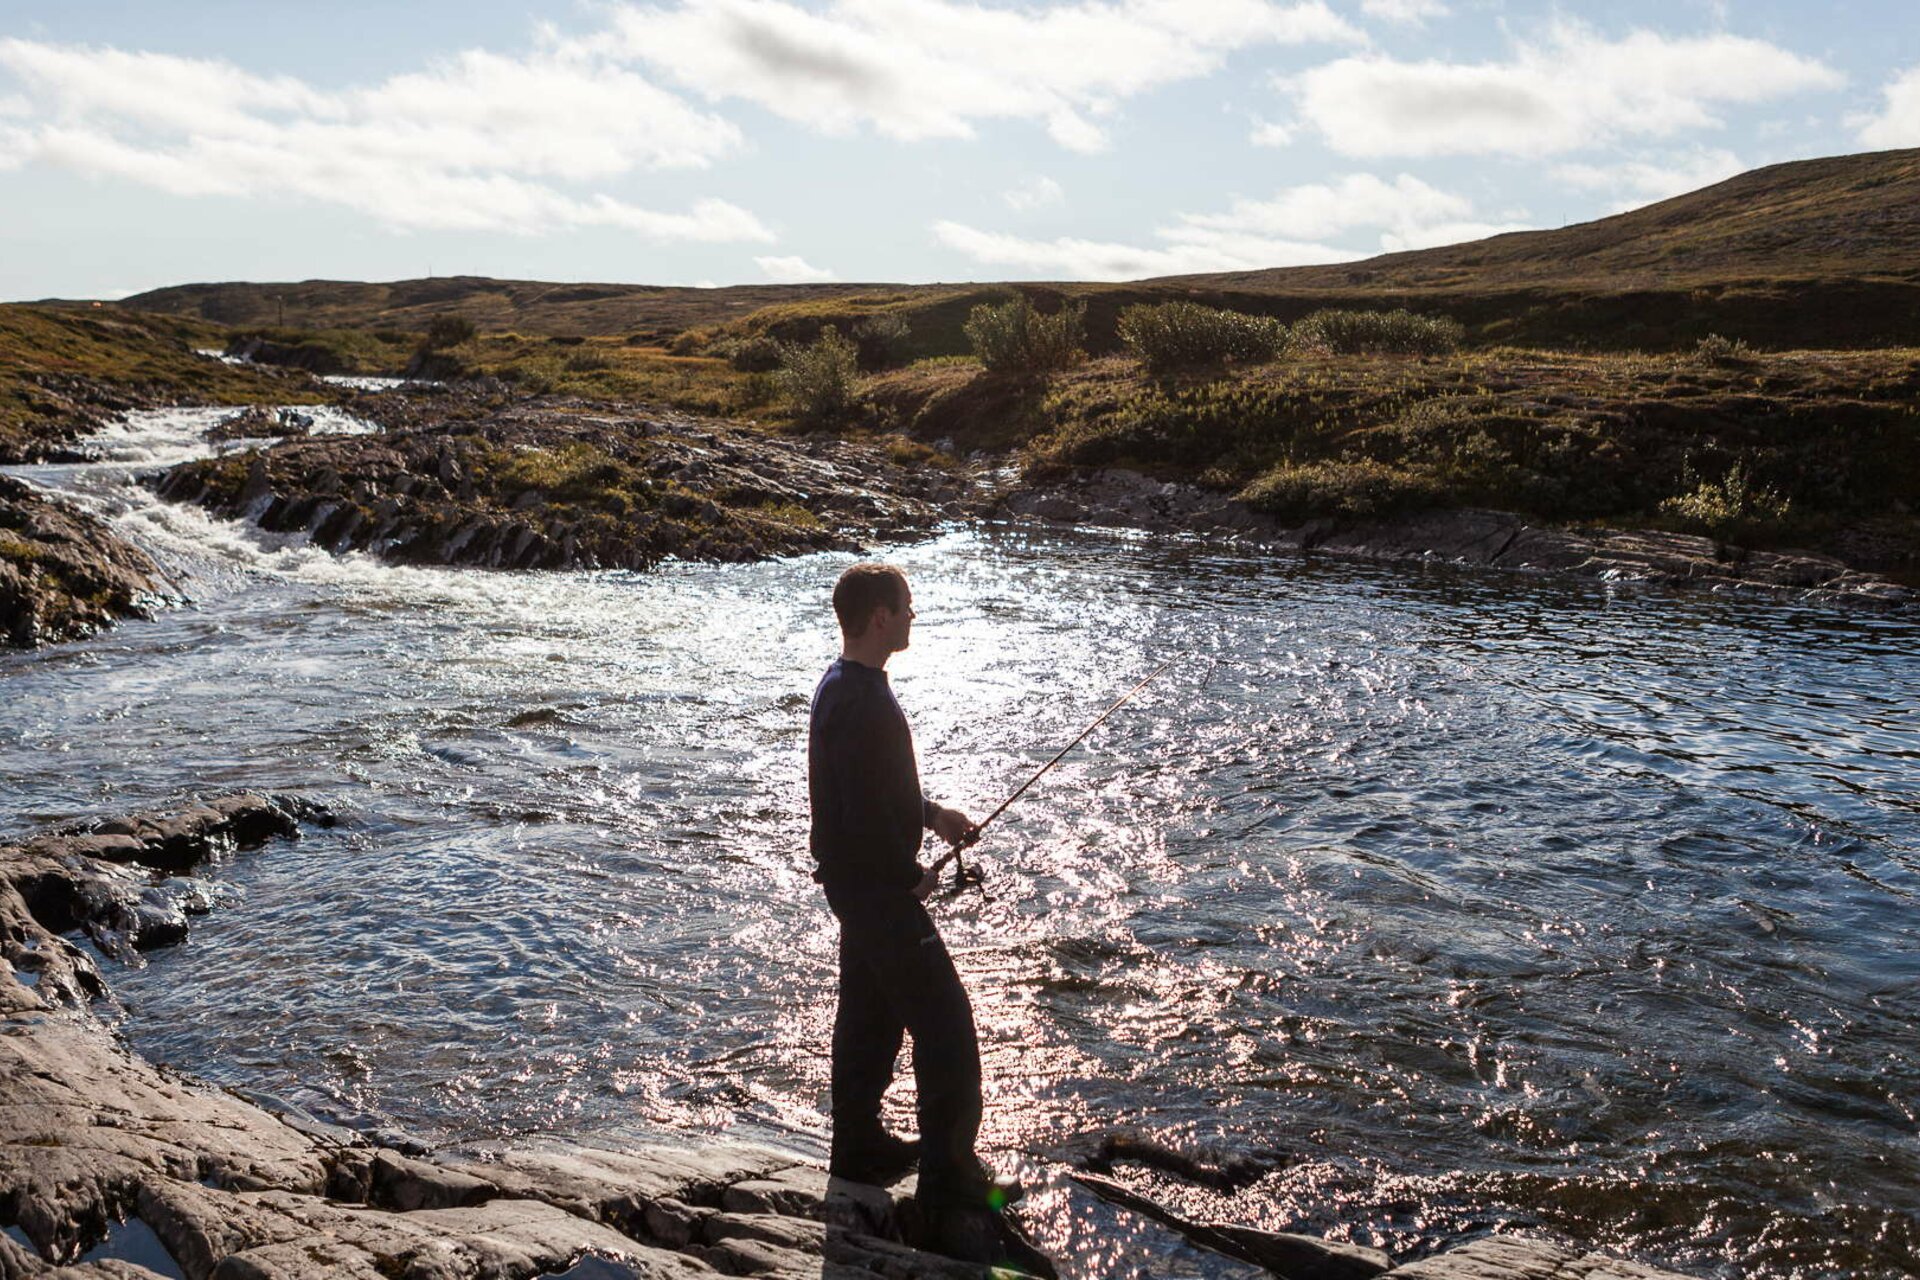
(875, 608)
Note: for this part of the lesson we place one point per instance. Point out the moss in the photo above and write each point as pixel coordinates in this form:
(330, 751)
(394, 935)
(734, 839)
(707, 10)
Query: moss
(18, 549)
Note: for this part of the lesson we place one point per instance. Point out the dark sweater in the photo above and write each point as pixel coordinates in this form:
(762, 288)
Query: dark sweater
(868, 810)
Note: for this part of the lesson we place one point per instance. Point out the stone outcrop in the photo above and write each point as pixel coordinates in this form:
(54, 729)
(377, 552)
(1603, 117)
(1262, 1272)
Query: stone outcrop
(1524, 1258)
(561, 484)
(1476, 538)
(257, 348)
(63, 573)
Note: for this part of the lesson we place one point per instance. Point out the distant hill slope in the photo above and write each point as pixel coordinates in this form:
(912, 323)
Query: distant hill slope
(1855, 216)
(1812, 253)
(529, 306)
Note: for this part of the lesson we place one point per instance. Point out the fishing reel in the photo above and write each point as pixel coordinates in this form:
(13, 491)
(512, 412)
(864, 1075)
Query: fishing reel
(964, 876)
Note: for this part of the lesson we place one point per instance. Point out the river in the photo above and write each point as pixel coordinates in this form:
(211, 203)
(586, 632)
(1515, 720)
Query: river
(1457, 900)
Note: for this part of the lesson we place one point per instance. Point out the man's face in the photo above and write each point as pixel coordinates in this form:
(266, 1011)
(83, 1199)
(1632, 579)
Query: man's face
(895, 624)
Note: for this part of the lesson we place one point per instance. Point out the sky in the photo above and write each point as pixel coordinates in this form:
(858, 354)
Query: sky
(704, 142)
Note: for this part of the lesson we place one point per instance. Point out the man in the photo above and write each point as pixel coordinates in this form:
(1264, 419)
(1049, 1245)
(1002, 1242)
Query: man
(896, 978)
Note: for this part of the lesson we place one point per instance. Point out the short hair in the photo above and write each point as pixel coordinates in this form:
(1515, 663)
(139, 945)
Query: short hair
(863, 588)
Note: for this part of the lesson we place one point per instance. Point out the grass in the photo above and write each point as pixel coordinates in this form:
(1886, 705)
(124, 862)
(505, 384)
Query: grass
(1785, 449)
(60, 369)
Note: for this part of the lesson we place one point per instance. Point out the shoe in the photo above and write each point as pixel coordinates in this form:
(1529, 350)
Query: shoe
(980, 1189)
(879, 1162)
(980, 1235)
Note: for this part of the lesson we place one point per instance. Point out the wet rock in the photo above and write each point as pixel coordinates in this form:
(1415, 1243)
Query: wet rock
(310, 356)
(1524, 1258)
(1471, 537)
(108, 882)
(562, 484)
(1298, 1257)
(404, 1184)
(258, 421)
(673, 1224)
(65, 574)
(797, 1192)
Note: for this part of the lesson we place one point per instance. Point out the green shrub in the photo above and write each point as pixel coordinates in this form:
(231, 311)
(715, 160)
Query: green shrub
(1012, 338)
(759, 353)
(1728, 506)
(883, 339)
(817, 379)
(1179, 335)
(1397, 332)
(447, 331)
(1352, 488)
(1715, 349)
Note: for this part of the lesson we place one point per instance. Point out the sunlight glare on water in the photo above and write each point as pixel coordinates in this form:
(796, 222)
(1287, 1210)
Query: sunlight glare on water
(1453, 901)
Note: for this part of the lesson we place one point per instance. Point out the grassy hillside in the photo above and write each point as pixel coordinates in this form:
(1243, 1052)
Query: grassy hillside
(62, 371)
(1813, 253)
(1815, 450)
(1838, 217)
(526, 306)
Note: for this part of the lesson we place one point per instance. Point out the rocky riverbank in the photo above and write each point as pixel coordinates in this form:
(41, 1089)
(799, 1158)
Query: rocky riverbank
(65, 373)
(63, 573)
(113, 1167)
(468, 479)
(1476, 538)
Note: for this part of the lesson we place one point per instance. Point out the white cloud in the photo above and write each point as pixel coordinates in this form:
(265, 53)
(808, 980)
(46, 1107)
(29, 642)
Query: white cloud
(1040, 193)
(1316, 210)
(1268, 134)
(1898, 122)
(1576, 89)
(472, 143)
(792, 270)
(1638, 182)
(1070, 258)
(1414, 12)
(915, 69)
(1294, 228)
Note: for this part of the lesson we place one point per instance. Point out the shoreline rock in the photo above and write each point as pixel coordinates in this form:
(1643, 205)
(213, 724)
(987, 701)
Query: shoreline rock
(1468, 536)
(63, 573)
(556, 484)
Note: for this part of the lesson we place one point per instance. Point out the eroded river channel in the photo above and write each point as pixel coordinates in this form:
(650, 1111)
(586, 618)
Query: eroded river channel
(1454, 901)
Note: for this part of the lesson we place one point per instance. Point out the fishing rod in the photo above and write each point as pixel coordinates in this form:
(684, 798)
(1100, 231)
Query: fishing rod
(962, 874)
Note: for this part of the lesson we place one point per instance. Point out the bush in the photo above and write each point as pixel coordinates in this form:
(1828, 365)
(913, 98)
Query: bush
(447, 331)
(1715, 349)
(817, 380)
(1354, 488)
(883, 340)
(1398, 332)
(1011, 337)
(1728, 506)
(760, 353)
(1178, 335)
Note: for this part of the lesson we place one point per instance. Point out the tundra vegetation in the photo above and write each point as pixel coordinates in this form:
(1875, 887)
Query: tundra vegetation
(1346, 413)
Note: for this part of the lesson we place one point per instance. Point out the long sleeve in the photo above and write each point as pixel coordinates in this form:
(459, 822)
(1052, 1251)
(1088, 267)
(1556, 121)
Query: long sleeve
(868, 810)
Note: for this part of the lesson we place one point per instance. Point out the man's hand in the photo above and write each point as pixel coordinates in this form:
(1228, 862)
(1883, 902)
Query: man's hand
(929, 881)
(953, 826)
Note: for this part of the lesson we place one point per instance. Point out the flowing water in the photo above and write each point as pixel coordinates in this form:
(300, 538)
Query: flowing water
(1460, 901)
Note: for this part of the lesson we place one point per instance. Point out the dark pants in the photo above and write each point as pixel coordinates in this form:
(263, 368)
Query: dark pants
(896, 978)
